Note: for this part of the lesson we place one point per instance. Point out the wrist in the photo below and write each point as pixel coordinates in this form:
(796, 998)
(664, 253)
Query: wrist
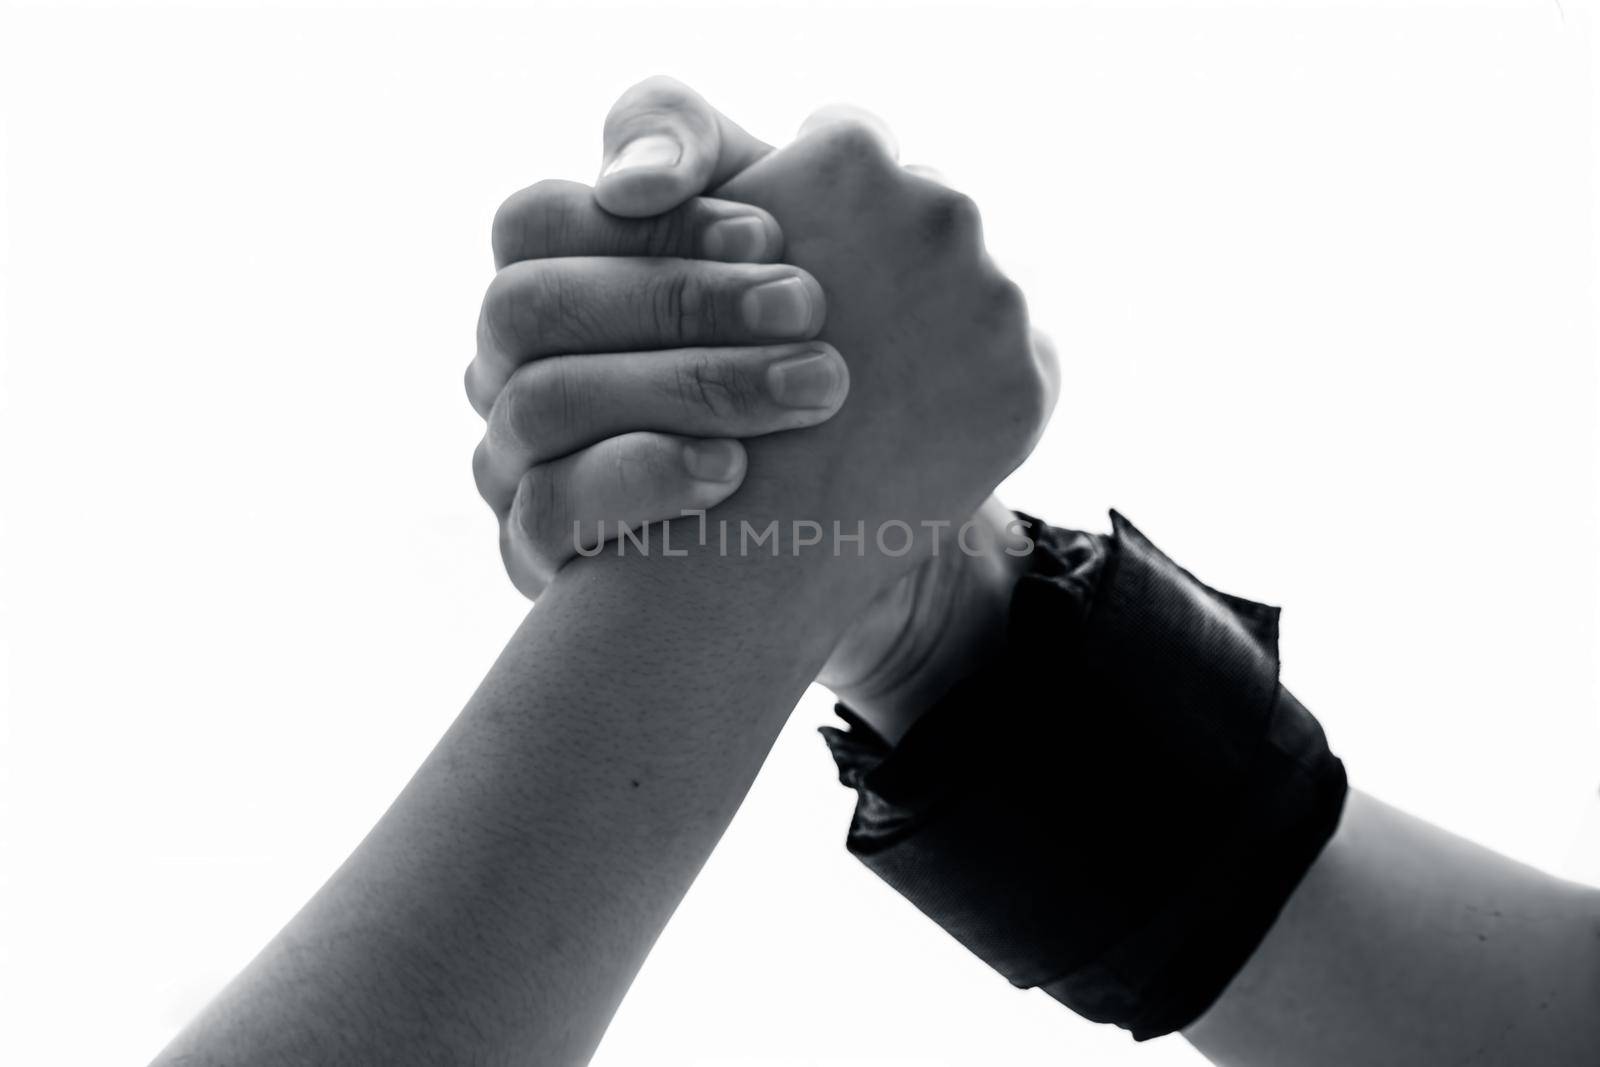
(948, 621)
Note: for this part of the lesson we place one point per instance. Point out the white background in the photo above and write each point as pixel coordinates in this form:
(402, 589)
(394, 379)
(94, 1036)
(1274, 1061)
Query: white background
(1323, 280)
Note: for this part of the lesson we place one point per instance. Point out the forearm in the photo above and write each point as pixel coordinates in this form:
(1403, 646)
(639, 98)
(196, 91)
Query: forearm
(501, 907)
(1405, 944)
(1200, 868)
(503, 904)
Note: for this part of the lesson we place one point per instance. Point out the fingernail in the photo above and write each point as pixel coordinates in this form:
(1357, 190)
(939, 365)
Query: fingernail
(735, 240)
(778, 309)
(651, 150)
(809, 381)
(711, 461)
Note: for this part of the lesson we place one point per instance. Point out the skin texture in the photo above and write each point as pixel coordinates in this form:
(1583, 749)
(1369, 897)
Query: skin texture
(942, 622)
(1408, 945)
(603, 351)
(594, 439)
(499, 910)
(915, 435)
(1403, 945)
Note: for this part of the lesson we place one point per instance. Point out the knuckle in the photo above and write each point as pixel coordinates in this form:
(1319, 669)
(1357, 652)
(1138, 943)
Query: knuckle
(530, 306)
(539, 511)
(951, 221)
(714, 387)
(1028, 386)
(528, 578)
(1026, 393)
(540, 403)
(681, 308)
(849, 149)
(510, 308)
(517, 420)
(851, 141)
(1032, 406)
(481, 476)
(1007, 301)
(533, 221)
(470, 383)
(668, 234)
(638, 469)
(1003, 310)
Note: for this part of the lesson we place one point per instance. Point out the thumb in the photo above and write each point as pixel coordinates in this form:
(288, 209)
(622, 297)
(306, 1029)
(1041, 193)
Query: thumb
(663, 145)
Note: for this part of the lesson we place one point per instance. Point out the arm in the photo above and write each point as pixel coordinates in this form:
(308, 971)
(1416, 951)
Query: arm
(501, 907)
(1389, 896)
(1172, 853)
(1406, 944)
(1402, 943)
(914, 639)
(504, 902)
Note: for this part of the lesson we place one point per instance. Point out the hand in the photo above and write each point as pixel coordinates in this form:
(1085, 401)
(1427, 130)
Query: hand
(948, 390)
(925, 626)
(664, 143)
(614, 388)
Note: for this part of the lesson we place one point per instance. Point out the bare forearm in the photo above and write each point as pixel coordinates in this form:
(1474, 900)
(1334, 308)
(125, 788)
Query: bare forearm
(501, 907)
(1405, 944)
(503, 904)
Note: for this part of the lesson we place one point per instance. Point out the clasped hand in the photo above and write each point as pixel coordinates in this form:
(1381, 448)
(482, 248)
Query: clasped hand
(822, 339)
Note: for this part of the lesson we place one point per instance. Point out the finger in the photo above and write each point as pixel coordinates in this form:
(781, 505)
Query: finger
(520, 567)
(663, 144)
(556, 406)
(546, 307)
(588, 498)
(560, 218)
(834, 114)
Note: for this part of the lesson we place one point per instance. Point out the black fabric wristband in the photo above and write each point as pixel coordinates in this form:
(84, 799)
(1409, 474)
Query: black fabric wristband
(1117, 809)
